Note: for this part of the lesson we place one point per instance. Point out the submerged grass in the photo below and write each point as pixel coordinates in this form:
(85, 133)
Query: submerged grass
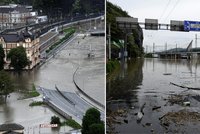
(36, 103)
(72, 123)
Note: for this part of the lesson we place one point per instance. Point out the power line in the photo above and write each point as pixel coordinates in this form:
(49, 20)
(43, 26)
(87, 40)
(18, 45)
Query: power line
(172, 10)
(165, 9)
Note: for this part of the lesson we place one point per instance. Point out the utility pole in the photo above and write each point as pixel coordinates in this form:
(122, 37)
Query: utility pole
(153, 48)
(176, 52)
(146, 49)
(165, 50)
(195, 40)
(109, 43)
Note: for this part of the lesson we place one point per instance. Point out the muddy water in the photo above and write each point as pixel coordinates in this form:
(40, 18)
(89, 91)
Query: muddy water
(147, 81)
(57, 71)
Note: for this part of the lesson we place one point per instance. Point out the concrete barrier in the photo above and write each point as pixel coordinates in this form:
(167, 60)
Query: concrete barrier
(89, 97)
(57, 109)
(64, 96)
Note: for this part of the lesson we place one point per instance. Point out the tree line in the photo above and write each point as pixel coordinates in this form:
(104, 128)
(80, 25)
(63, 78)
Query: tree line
(64, 7)
(134, 40)
(18, 60)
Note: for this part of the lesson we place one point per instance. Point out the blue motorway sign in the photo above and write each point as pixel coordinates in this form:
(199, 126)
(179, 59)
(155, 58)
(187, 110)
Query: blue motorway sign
(191, 26)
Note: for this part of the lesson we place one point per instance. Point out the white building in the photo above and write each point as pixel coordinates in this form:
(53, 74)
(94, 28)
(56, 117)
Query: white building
(13, 15)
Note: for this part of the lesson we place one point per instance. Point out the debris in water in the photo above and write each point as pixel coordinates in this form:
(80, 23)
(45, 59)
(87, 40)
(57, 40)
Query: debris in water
(148, 124)
(156, 107)
(187, 103)
(126, 121)
(167, 74)
(180, 117)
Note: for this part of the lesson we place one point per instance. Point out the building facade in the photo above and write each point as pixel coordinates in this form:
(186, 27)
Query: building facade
(29, 41)
(12, 16)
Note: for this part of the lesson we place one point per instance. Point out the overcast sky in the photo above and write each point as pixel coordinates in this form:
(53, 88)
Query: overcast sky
(164, 11)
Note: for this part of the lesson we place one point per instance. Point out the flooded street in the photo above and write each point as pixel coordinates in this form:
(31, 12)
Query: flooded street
(57, 71)
(147, 96)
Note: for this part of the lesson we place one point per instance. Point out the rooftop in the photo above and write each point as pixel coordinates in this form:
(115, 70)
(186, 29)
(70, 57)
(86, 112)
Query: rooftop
(11, 127)
(17, 8)
(17, 37)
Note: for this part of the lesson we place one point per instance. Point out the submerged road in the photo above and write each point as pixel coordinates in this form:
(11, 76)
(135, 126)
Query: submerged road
(73, 106)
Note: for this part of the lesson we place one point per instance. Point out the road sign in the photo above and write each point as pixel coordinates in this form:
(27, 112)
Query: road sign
(128, 23)
(177, 25)
(48, 125)
(151, 24)
(191, 25)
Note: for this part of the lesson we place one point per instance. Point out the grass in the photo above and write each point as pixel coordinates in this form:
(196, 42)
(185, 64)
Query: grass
(36, 103)
(68, 32)
(30, 94)
(111, 65)
(72, 123)
(34, 92)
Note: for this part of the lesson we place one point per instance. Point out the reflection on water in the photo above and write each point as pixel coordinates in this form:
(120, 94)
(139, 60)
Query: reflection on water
(148, 81)
(123, 84)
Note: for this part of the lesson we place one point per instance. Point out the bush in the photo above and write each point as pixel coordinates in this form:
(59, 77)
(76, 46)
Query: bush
(111, 65)
(55, 120)
(68, 32)
(72, 123)
(36, 103)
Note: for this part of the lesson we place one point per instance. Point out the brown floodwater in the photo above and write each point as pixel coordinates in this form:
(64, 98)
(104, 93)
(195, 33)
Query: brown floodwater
(147, 83)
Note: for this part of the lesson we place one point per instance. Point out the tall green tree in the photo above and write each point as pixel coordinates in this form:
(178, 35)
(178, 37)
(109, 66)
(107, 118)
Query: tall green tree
(91, 117)
(76, 6)
(18, 58)
(6, 86)
(2, 56)
(97, 128)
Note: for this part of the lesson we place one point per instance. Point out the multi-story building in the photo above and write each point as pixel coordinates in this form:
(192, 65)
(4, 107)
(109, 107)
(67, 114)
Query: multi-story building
(26, 39)
(13, 15)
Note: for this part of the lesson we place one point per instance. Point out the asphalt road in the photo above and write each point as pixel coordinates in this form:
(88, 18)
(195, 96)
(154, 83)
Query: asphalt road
(76, 109)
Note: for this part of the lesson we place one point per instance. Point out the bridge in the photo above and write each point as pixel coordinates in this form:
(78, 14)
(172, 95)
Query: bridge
(178, 53)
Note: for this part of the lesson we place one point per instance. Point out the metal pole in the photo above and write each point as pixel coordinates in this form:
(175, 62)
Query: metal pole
(153, 48)
(165, 50)
(125, 46)
(195, 40)
(146, 49)
(176, 52)
(109, 43)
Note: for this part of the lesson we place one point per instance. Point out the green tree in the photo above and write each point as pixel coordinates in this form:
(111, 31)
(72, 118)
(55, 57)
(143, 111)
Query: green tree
(92, 116)
(55, 120)
(18, 58)
(76, 6)
(6, 86)
(96, 128)
(135, 40)
(2, 56)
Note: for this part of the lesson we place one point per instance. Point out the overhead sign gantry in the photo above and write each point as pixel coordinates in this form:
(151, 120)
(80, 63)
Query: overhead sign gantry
(129, 23)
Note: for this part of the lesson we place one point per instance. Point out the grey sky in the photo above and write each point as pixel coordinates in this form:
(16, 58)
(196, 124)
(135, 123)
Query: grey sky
(164, 11)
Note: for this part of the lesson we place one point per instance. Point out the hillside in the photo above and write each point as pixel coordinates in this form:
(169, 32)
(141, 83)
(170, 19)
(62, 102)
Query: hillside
(67, 7)
(135, 40)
